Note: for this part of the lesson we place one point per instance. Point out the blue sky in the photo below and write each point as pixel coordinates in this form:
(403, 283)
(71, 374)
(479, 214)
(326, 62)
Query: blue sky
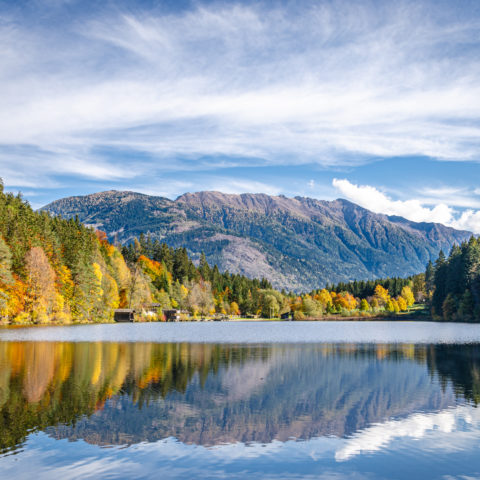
(377, 102)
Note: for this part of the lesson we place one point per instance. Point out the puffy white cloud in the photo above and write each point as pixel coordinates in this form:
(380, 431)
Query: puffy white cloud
(468, 220)
(376, 201)
(379, 202)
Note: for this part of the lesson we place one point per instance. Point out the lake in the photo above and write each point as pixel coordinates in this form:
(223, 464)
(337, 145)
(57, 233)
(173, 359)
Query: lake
(283, 400)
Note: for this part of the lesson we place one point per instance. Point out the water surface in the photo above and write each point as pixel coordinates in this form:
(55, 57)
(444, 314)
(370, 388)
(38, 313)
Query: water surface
(255, 332)
(303, 405)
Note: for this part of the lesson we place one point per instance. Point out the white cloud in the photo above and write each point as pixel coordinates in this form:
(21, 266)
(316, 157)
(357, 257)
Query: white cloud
(378, 202)
(243, 186)
(286, 85)
(173, 188)
(468, 220)
(373, 199)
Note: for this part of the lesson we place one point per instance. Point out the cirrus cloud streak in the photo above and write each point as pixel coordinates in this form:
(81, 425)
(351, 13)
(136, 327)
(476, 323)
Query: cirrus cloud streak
(333, 83)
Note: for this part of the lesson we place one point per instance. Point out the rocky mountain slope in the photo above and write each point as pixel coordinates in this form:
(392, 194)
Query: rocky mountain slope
(297, 243)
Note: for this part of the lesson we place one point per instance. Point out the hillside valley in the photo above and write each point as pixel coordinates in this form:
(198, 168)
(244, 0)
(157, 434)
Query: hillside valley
(297, 243)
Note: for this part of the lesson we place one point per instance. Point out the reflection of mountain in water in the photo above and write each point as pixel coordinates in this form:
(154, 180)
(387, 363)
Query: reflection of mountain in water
(109, 393)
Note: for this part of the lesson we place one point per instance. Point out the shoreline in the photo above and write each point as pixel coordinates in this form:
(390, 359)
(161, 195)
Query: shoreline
(402, 318)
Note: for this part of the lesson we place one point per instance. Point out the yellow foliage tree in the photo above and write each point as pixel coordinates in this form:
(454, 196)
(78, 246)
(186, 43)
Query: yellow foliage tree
(111, 298)
(324, 298)
(234, 308)
(389, 305)
(396, 307)
(364, 306)
(381, 295)
(407, 294)
(402, 304)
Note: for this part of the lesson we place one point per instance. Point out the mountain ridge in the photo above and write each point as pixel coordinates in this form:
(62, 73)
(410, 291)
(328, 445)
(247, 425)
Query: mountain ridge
(298, 243)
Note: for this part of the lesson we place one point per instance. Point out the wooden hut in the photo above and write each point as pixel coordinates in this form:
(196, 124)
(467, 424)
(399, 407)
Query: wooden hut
(172, 315)
(123, 315)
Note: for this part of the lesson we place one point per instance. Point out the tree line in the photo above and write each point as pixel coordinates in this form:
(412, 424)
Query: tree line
(453, 283)
(58, 270)
(366, 288)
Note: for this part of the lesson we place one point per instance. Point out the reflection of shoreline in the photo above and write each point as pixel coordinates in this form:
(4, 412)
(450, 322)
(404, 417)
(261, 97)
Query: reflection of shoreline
(117, 393)
(380, 317)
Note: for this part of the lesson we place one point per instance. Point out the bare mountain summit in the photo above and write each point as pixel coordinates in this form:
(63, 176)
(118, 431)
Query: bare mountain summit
(297, 243)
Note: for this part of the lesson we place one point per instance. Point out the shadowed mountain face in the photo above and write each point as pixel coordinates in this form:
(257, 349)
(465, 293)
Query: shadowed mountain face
(297, 243)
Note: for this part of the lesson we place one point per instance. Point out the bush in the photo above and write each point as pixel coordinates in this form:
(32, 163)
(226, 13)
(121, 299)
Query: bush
(298, 315)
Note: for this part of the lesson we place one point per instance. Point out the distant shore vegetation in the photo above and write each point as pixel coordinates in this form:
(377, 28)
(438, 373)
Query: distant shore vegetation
(54, 270)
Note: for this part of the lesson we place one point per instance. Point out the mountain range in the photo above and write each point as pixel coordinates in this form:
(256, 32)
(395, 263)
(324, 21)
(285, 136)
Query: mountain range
(297, 243)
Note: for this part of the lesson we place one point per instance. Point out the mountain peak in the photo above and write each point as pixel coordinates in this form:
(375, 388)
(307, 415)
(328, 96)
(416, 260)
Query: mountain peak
(297, 243)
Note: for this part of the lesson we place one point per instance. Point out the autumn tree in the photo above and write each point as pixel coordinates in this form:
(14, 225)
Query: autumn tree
(381, 295)
(402, 304)
(270, 306)
(325, 299)
(364, 306)
(234, 308)
(40, 279)
(200, 299)
(6, 278)
(311, 308)
(408, 296)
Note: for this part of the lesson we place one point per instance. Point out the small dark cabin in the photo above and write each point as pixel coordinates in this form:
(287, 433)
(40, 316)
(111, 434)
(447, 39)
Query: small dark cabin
(172, 315)
(124, 315)
(287, 316)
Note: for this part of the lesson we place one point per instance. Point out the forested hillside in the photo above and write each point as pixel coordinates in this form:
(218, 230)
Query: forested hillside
(58, 270)
(297, 243)
(454, 283)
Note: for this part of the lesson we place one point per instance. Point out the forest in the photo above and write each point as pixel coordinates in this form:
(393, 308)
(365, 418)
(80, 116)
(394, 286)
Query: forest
(453, 283)
(54, 270)
(58, 270)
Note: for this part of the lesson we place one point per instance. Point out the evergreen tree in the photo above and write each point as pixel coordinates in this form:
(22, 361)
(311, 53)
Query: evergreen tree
(440, 282)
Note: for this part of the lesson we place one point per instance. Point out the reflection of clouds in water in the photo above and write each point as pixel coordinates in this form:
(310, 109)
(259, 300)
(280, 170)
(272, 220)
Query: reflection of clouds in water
(241, 382)
(447, 432)
(58, 461)
(416, 426)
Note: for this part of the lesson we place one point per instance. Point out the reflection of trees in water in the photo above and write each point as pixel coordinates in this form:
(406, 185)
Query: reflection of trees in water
(49, 383)
(206, 393)
(459, 365)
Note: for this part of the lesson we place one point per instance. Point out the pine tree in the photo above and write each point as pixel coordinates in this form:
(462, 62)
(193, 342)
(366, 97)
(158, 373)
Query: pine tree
(204, 268)
(440, 280)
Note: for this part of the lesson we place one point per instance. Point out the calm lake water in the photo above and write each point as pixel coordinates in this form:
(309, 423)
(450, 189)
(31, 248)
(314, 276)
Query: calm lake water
(381, 400)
